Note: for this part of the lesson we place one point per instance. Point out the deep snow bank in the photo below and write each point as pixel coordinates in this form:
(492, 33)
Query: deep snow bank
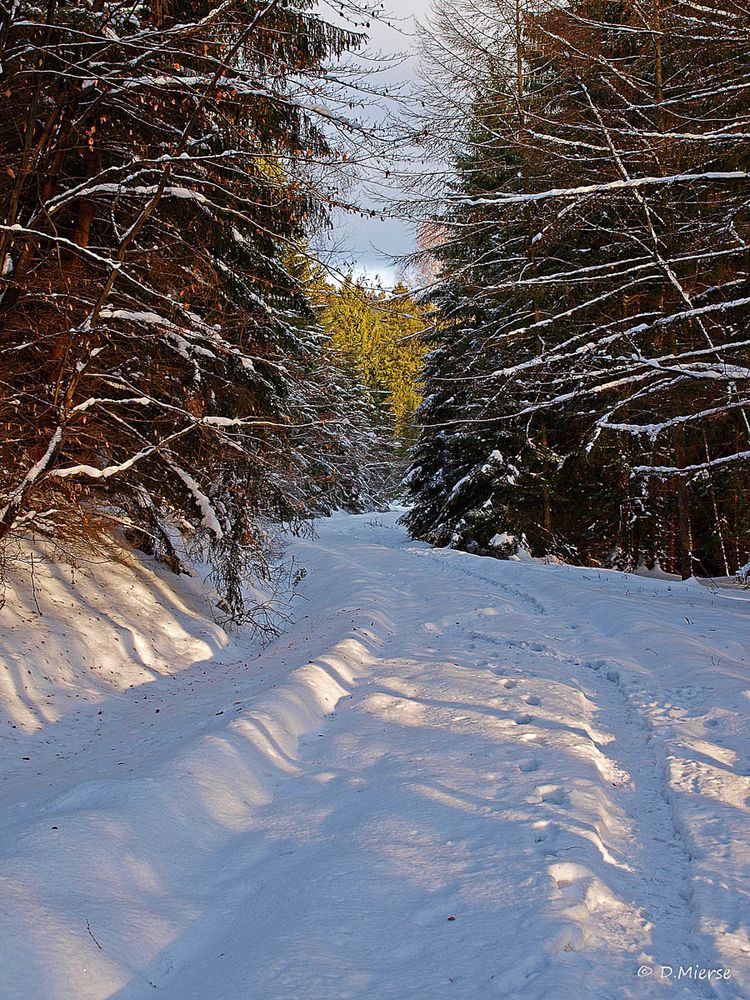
(74, 636)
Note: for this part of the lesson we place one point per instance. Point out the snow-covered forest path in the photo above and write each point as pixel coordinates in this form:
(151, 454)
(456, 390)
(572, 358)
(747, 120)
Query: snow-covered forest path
(452, 777)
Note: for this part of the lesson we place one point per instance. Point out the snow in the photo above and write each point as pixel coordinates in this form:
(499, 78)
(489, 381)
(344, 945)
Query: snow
(137, 316)
(107, 472)
(619, 185)
(34, 473)
(502, 539)
(452, 777)
(209, 519)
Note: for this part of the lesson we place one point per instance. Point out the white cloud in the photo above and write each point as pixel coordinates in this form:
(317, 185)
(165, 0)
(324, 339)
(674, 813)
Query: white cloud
(367, 243)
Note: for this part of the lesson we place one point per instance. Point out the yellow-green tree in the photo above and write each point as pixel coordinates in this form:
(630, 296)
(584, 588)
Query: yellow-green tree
(379, 332)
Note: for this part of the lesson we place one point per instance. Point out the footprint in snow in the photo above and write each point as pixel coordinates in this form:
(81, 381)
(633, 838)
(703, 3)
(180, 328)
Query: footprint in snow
(553, 794)
(510, 684)
(533, 700)
(523, 720)
(545, 831)
(528, 765)
(592, 664)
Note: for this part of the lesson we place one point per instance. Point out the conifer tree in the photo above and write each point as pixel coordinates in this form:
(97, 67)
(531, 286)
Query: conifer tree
(161, 364)
(380, 335)
(595, 292)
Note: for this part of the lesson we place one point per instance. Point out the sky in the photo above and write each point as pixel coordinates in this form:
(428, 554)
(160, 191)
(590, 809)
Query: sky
(363, 245)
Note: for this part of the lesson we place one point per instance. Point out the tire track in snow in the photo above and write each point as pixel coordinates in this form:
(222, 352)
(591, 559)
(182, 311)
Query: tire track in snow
(657, 849)
(664, 866)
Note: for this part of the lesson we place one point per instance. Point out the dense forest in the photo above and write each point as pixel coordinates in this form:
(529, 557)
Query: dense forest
(588, 397)
(181, 371)
(164, 373)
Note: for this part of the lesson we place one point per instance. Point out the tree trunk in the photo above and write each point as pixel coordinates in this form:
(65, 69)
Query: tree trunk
(683, 509)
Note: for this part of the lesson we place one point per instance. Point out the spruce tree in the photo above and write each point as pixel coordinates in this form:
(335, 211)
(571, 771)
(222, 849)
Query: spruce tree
(162, 366)
(604, 277)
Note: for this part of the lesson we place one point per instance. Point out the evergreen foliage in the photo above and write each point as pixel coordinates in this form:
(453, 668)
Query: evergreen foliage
(590, 394)
(162, 366)
(379, 333)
